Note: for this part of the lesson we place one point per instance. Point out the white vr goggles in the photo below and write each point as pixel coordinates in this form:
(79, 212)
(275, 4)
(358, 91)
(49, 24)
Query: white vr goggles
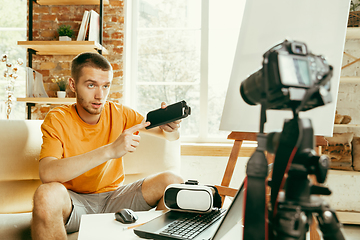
(191, 197)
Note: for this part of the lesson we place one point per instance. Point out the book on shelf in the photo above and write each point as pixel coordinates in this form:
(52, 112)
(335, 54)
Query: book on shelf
(94, 26)
(34, 84)
(84, 26)
(90, 27)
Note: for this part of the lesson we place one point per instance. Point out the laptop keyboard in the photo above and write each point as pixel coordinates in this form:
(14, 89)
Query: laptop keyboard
(192, 225)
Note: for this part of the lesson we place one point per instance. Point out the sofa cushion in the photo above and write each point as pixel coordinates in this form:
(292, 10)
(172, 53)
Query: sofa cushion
(16, 195)
(154, 154)
(20, 144)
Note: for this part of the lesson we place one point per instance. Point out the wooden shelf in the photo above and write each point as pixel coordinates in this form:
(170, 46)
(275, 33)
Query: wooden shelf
(62, 47)
(71, 2)
(347, 125)
(348, 217)
(48, 100)
(353, 33)
(218, 150)
(343, 172)
(349, 79)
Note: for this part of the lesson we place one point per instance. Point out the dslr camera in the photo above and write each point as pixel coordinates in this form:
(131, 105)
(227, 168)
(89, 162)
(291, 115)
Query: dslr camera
(289, 71)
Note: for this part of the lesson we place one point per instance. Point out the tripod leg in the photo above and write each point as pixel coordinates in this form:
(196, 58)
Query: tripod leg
(330, 225)
(314, 235)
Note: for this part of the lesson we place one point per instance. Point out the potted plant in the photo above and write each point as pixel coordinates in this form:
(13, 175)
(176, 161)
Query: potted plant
(61, 82)
(65, 33)
(354, 14)
(354, 6)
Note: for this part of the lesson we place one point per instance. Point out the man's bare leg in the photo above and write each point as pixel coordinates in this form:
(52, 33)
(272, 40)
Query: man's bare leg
(52, 208)
(154, 186)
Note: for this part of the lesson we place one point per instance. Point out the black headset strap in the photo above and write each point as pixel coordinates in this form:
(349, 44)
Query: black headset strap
(217, 197)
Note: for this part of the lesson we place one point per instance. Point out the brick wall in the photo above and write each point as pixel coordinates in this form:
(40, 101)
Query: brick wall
(348, 102)
(46, 20)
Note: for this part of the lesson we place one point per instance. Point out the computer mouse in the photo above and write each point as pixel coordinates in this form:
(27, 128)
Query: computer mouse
(126, 216)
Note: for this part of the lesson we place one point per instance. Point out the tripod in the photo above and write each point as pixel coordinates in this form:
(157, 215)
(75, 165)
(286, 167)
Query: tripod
(290, 214)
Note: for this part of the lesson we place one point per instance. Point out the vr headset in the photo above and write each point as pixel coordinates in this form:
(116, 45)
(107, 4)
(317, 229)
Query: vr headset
(192, 197)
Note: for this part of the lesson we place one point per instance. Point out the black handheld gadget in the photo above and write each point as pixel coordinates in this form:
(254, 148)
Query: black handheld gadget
(169, 114)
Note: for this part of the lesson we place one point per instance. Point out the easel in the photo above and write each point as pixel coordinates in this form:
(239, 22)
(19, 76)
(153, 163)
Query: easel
(239, 138)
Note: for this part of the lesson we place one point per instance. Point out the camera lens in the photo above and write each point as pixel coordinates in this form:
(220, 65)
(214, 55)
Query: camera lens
(250, 89)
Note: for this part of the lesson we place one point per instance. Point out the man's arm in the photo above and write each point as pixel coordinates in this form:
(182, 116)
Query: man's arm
(53, 170)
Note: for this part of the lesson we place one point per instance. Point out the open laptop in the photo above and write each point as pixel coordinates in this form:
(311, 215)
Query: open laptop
(221, 224)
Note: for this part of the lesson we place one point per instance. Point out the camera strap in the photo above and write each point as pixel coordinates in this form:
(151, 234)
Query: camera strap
(283, 158)
(255, 227)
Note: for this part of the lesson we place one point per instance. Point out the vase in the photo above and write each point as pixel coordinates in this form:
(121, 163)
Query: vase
(61, 94)
(64, 38)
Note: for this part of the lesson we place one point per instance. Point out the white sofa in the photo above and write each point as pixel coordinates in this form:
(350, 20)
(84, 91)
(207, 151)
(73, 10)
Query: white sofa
(20, 142)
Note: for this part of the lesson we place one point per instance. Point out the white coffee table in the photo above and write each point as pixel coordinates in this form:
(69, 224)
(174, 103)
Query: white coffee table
(105, 227)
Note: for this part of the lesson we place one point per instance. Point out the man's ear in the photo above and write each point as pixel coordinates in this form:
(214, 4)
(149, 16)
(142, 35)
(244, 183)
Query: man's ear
(72, 84)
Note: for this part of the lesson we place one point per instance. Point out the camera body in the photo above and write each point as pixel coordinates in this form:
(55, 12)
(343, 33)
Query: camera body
(288, 72)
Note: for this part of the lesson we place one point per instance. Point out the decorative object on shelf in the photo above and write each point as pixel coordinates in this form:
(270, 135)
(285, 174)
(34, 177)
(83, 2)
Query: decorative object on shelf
(62, 82)
(353, 6)
(356, 153)
(61, 94)
(34, 84)
(354, 15)
(342, 119)
(65, 33)
(10, 75)
(339, 150)
(84, 26)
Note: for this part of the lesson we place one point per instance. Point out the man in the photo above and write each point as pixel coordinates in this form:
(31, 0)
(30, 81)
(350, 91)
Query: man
(81, 156)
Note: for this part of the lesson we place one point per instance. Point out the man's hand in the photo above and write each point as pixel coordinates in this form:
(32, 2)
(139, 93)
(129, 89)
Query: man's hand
(127, 141)
(169, 127)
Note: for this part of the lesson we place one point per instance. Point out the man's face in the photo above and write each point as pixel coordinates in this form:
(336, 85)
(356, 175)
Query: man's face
(92, 90)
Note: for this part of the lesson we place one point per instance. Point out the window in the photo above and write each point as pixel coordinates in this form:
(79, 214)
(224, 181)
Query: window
(12, 29)
(182, 50)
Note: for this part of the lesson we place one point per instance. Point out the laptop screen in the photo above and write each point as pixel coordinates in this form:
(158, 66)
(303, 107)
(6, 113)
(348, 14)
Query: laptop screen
(232, 217)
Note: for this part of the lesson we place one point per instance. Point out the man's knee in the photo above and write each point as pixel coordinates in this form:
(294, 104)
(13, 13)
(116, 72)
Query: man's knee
(158, 183)
(169, 177)
(50, 197)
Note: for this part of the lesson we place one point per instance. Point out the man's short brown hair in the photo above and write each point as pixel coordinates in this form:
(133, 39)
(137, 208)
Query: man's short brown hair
(88, 59)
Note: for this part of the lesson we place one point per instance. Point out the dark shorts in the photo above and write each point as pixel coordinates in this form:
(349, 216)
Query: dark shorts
(127, 196)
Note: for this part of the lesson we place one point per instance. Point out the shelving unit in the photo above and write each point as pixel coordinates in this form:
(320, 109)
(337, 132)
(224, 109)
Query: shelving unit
(349, 79)
(352, 33)
(60, 47)
(30, 102)
(57, 47)
(348, 217)
(48, 100)
(63, 47)
(70, 2)
(346, 125)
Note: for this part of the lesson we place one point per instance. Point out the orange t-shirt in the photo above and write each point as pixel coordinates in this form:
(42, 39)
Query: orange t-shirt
(66, 135)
